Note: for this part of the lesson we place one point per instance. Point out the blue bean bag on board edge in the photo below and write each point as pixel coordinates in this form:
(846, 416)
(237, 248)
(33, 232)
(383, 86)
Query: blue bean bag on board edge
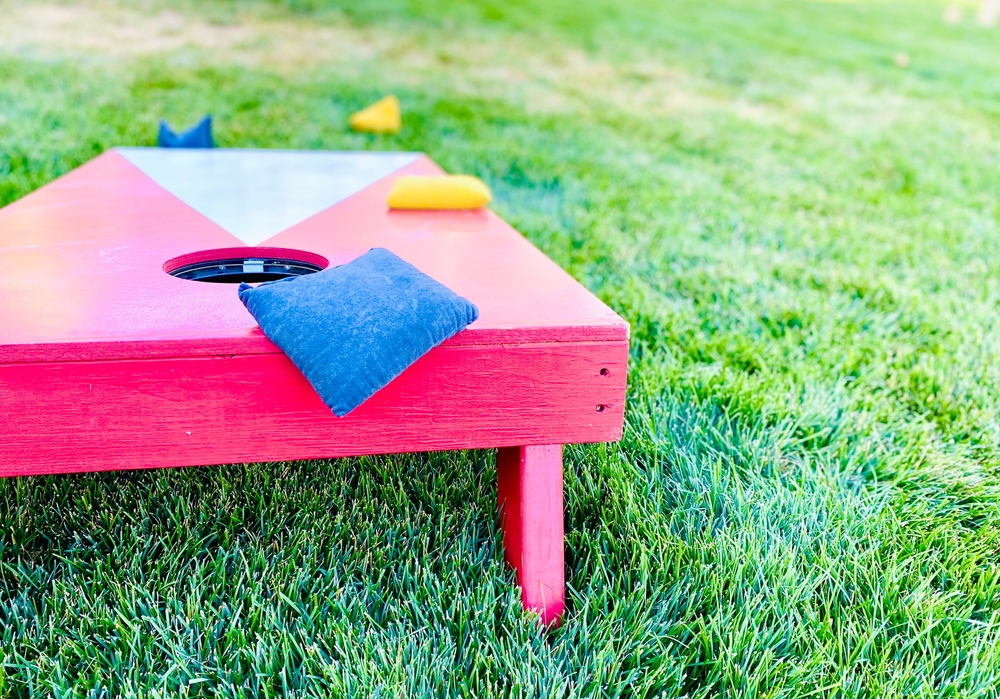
(354, 328)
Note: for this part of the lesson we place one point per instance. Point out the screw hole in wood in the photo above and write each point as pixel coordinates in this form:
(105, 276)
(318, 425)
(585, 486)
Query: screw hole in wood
(605, 372)
(600, 408)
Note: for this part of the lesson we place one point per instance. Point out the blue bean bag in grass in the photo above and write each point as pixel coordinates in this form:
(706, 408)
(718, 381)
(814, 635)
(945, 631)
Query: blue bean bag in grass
(198, 136)
(354, 328)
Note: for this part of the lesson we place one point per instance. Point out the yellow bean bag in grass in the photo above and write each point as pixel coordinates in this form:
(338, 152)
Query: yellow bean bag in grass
(439, 192)
(381, 117)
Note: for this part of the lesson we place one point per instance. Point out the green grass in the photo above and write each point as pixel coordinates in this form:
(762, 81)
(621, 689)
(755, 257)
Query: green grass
(804, 238)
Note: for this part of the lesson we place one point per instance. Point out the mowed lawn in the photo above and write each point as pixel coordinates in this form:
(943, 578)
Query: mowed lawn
(804, 238)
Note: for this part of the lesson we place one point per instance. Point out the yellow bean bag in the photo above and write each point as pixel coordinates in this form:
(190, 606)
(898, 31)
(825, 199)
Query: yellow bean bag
(381, 117)
(439, 192)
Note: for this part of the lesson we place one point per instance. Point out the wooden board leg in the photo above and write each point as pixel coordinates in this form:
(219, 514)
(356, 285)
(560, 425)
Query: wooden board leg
(530, 494)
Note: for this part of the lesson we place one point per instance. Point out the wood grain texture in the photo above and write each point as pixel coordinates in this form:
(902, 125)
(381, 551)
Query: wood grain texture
(85, 416)
(530, 493)
(251, 340)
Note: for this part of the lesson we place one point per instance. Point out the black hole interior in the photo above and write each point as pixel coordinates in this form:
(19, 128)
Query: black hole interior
(244, 269)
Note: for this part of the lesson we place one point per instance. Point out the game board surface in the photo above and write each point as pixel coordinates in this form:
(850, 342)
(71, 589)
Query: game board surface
(82, 259)
(109, 362)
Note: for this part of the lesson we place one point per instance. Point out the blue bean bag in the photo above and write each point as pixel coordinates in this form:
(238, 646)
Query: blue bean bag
(352, 329)
(198, 136)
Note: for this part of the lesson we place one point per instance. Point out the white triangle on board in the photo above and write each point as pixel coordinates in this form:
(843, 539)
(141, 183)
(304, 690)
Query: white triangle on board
(256, 194)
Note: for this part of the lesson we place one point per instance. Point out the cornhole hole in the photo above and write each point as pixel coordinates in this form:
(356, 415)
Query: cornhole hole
(122, 346)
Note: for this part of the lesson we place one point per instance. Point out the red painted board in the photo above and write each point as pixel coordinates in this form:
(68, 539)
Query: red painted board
(84, 416)
(81, 270)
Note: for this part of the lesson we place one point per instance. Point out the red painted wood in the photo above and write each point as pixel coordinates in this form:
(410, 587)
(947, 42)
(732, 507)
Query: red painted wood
(509, 503)
(85, 416)
(81, 270)
(107, 362)
(530, 489)
(254, 342)
(82, 281)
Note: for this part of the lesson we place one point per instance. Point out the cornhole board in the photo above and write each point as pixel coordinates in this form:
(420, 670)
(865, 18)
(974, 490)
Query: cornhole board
(109, 362)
